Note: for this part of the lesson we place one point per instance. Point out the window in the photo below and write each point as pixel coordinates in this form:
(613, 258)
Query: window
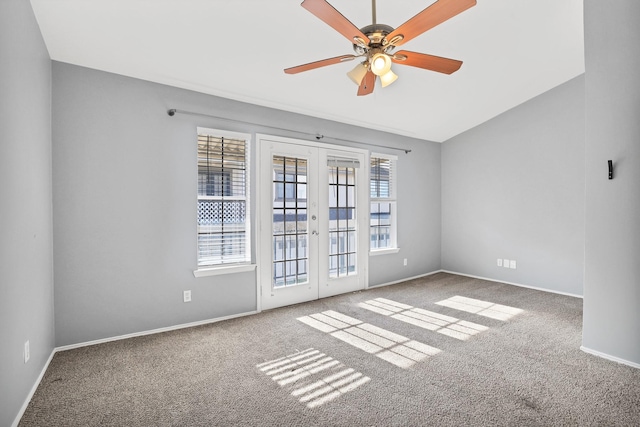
(223, 198)
(382, 221)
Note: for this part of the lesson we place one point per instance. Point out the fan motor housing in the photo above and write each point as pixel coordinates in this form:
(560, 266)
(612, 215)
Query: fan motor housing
(376, 34)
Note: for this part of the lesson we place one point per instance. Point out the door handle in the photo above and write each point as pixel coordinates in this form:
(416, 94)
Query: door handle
(314, 232)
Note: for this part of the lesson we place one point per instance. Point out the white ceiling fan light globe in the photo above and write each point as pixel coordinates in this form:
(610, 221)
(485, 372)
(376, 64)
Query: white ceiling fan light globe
(380, 64)
(388, 78)
(357, 74)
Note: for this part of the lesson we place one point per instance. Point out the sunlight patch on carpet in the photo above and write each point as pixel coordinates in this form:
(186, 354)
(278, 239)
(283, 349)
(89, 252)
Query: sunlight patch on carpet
(299, 373)
(481, 308)
(388, 346)
(446, 325)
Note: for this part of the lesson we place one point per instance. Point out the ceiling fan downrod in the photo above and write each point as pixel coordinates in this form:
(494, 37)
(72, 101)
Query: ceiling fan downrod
(373, 12)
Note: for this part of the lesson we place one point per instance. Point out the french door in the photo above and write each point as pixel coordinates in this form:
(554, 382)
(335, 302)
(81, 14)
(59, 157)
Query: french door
(313, 240)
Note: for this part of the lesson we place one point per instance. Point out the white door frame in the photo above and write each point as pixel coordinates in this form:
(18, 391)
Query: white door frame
(262, 140)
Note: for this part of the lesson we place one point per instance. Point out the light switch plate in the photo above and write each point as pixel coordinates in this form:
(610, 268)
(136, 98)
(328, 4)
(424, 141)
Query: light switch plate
(512, 264)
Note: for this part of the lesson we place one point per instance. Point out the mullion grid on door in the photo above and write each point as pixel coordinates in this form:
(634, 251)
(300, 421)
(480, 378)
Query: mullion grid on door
(342, 231)
(289, 207)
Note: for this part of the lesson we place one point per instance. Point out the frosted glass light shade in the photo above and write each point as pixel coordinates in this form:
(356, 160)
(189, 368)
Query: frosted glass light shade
(357, 74)
(388, 78)
(380, 64)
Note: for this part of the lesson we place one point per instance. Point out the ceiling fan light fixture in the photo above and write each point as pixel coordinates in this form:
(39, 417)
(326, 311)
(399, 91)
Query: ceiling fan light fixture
(380, 64)
(377, 43)
(358, 73)
(388, 78)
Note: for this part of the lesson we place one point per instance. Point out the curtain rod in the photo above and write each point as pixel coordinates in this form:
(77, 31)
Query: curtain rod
(172, 112)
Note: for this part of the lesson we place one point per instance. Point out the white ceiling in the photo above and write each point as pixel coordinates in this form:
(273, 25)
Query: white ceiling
(512, 50)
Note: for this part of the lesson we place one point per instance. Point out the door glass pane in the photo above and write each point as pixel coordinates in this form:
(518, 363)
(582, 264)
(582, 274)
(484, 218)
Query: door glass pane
(301, 221)
(342, 221)
(290, 256)
(351, 176)
(278, 221)
(278, 248)
(302, 247)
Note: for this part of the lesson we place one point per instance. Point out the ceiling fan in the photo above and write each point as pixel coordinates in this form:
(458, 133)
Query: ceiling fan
(377, 43)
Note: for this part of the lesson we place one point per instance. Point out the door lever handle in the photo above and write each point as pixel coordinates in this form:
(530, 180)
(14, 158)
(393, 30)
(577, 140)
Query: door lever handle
(314, 232)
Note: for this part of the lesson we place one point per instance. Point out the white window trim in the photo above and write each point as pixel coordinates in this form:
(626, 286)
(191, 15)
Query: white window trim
(224, 269)
(383, 251)
(220, 269)
(393, 249)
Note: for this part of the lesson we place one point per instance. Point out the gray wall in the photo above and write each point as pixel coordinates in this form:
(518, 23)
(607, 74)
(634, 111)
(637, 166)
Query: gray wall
(513, 188)
(124, 176)
(612, 252)
(26, 277)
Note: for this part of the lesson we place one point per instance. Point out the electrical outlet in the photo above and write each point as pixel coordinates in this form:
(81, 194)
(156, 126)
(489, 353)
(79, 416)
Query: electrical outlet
(27, 352)
(499, 262)
(512, 264)
(186, 296)
(505, 263)
(405, 262)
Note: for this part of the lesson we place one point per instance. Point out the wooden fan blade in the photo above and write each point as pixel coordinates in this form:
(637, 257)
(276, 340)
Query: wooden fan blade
(318, 64)
(428, 62)
(367, 84)
(433, 15)
(331, 16)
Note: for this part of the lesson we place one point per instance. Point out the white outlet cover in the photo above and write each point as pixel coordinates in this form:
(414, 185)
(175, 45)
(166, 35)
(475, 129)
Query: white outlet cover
(27, 352)
(505, 263)
(499, 262)
(512, 264)
(186, 296)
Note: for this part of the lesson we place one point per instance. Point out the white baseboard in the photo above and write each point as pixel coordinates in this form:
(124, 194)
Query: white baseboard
(152, 331)
(405, 279)
(512, 283)
(609, 357)
(33, 390)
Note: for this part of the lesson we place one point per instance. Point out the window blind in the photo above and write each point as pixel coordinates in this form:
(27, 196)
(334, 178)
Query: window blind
(337, 162)
(381, 178)
(222, 200)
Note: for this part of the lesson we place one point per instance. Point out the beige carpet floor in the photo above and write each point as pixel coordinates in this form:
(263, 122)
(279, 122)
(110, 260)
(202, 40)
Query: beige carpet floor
(441, 350)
